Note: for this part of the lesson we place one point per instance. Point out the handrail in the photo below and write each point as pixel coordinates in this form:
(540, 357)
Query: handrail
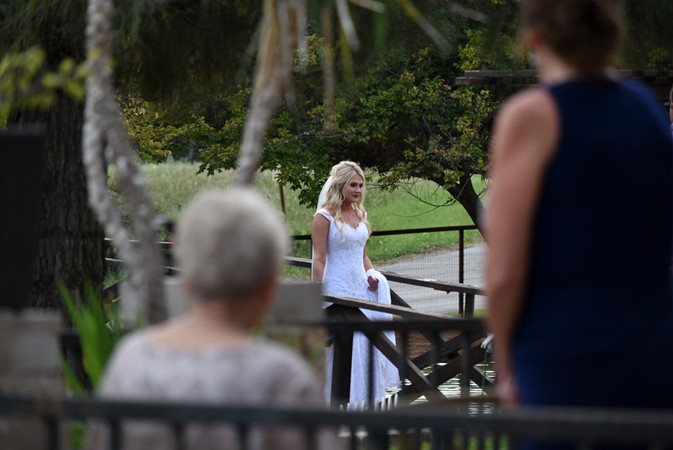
(401, 311)
(464, 289)
(392, 276)
(307, 237)
(579, 425)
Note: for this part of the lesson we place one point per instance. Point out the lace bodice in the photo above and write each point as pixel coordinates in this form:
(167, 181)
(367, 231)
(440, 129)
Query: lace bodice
(344, 273)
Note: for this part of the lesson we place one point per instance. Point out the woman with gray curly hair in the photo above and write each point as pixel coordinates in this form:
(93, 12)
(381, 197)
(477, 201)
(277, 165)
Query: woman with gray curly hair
(229, 248)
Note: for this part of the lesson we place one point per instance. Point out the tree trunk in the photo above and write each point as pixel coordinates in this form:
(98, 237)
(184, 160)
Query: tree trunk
(465, 194)
(70, 246)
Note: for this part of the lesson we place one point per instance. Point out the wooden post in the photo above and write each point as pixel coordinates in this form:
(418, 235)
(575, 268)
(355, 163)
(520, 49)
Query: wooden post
(342, 361)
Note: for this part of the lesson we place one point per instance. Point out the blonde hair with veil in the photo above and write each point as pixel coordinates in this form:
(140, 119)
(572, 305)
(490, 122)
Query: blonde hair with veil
(341, 175)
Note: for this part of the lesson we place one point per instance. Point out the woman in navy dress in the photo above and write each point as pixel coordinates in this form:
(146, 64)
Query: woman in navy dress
(580, 223)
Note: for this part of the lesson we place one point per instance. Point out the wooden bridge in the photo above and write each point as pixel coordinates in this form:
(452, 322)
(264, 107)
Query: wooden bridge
(450, 345)
(455, 342)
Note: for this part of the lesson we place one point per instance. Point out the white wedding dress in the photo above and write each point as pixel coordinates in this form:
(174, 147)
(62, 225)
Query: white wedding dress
(344, 276)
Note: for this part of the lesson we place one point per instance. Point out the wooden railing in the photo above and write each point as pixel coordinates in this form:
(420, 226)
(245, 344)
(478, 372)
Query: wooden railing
(469, 292)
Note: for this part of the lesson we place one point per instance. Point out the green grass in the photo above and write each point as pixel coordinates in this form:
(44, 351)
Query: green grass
(172, 185)
(113, 275)
(400, 210)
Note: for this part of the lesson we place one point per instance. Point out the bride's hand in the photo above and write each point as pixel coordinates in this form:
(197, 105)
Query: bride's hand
(373, 283)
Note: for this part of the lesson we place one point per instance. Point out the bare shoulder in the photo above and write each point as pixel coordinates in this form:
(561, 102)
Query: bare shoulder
(320, 218)
(530, 105)
(320, 224)
(529, 117)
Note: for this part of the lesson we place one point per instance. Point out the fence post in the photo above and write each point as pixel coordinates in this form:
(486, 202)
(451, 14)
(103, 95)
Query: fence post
(342, 345)
(461, 269)
(465, 365)
(469, 305)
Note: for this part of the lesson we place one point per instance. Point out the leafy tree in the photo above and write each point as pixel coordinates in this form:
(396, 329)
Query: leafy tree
(650, 34)
(157, 138)
(403, 118)
(402, 115)
(25, 83)
(163, 48)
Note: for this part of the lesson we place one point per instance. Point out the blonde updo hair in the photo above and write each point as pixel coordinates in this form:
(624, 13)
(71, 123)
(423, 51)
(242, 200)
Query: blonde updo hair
(229, 243)
(342, 174)
(586, 34)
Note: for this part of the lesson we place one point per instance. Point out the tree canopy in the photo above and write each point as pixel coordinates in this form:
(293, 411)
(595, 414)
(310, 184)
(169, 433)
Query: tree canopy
(184, 72)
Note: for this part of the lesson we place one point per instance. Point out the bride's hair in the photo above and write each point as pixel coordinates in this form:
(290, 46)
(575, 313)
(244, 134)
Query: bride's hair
(342, 174)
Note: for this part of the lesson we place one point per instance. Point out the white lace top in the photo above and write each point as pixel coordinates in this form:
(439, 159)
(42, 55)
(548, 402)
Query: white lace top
(344, 274)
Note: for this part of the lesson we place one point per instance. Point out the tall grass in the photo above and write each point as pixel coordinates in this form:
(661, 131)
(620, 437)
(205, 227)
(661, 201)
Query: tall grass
(172, 185)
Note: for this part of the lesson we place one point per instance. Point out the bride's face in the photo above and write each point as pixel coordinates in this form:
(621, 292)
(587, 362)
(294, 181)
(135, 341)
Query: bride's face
(352, 191)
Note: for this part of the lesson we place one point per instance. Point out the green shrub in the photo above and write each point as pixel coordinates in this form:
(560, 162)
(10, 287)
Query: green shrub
(99, 331)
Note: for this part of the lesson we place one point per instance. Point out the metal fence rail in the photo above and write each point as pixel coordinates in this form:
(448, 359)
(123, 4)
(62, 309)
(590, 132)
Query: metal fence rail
(460, 261)
(462, 266)
(425, 427)
(467, 293)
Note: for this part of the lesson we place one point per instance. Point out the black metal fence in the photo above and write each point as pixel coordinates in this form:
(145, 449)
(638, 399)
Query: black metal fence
(427, 427)
(457, 257)
(461, 264)
(438, 424)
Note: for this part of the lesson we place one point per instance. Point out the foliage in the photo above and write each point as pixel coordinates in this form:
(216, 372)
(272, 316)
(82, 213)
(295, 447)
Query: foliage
(403, 118)
(99, 331)
(172, 185)
(180, 52)
(25, 82)
(496, 46)
(425, 127)
(650, 33)
(477, 54)
(157, 139)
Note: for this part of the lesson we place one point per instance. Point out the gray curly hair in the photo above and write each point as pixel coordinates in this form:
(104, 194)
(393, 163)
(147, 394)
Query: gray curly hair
(229, 243)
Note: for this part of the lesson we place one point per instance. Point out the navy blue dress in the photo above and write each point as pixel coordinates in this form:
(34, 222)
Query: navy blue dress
(597, 322)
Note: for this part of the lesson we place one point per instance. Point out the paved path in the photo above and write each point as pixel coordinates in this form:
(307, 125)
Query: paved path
(441, 266)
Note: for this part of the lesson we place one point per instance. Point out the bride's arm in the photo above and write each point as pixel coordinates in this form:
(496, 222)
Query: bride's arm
(366, 261)
(319, 231)
(373, 282)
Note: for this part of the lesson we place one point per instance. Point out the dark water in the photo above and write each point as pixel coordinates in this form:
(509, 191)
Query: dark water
(478, 401)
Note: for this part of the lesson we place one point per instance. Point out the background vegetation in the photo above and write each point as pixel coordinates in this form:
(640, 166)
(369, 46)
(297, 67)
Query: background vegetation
(172, 185)
(184, 72)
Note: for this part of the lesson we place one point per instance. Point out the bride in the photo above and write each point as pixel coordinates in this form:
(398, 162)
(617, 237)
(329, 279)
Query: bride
(340, 231)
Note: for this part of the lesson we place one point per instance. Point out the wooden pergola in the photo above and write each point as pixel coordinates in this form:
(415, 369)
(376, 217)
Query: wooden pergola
(506, 82)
